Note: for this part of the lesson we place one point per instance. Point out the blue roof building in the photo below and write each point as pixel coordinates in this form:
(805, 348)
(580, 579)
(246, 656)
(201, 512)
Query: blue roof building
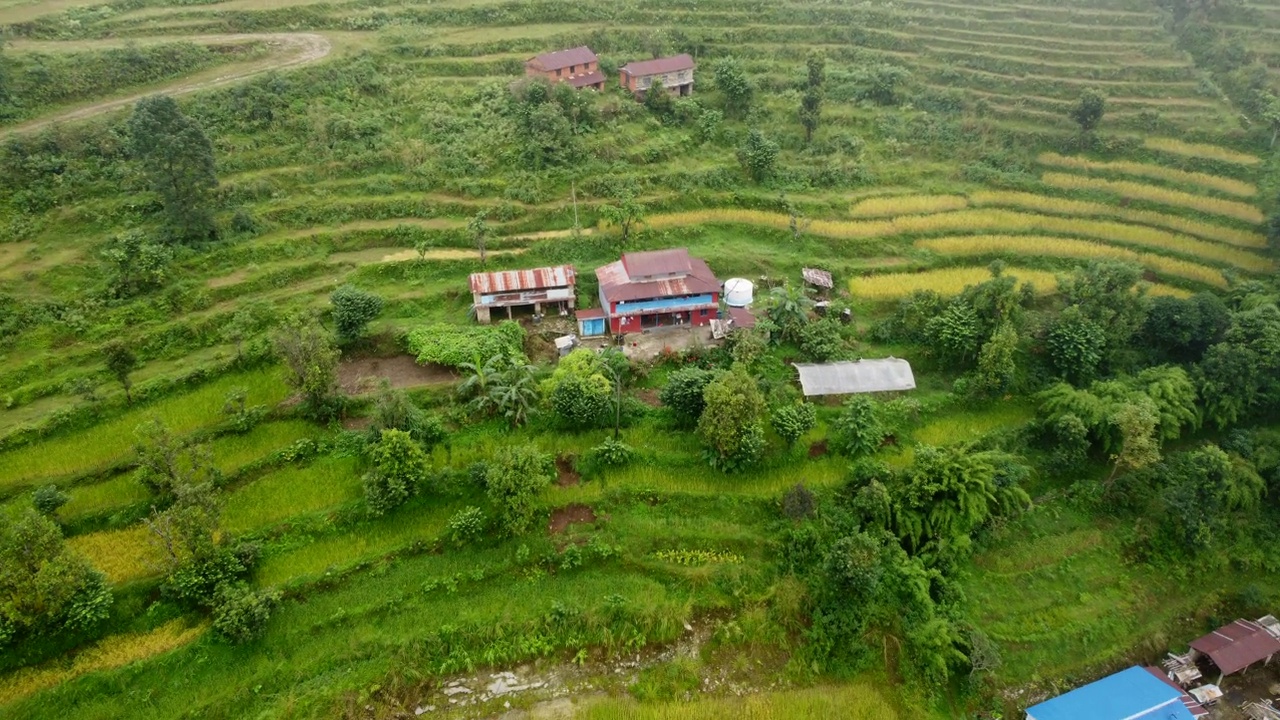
(1133, 694)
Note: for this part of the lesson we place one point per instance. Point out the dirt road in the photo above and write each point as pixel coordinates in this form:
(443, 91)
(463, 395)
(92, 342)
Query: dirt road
(288, 50)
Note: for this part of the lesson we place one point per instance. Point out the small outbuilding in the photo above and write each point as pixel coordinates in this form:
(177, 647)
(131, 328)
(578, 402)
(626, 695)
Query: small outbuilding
(861, 376)
(518, 288)
(592, 322)
(1233, 648)
(1132, 694)
(817, 278)
(673, 73)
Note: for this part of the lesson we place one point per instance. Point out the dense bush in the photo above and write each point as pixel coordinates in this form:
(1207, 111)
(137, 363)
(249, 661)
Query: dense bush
(683, 394)
(466, 526)
(858, 430)
(399, 469)
(732, 424)
(239, 613)
(456, 345)
(48, 498)
(514, 480)
(353, 310)
(792, 421)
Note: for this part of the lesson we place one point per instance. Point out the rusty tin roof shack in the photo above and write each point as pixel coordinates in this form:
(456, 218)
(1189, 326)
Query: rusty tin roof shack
(656, 274)
(1234, 647)
(814, 276)
(657, 67)
(505, 281)
(560, 59)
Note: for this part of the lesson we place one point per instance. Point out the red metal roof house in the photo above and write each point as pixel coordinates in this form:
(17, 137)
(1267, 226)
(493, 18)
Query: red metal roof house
(657, 289)
(514, 288)
(577, 66)
(674, 73)
(1234, 647)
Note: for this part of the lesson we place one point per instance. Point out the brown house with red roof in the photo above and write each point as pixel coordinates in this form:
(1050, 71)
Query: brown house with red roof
(657, 289)
(577, 66)
(673, 73)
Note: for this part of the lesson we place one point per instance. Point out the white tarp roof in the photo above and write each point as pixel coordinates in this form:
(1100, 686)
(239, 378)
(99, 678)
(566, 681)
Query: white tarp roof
(863, 376)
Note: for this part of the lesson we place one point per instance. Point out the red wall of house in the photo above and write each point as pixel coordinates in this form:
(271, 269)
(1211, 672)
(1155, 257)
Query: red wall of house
(697, 317)
(551, 75)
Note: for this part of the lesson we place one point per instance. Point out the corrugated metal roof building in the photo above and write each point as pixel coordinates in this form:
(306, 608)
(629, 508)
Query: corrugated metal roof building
(862, 376)
(1132, 694)
(656, 289)
(674, 73)
(1235, 647)
(516, 288)
(577, 66)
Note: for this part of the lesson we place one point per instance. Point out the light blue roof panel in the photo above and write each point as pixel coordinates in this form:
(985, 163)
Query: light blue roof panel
(1132, 694)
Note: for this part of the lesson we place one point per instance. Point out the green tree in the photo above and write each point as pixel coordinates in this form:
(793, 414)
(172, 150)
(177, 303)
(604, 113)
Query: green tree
(822, 341)
(178, 159)
(1173, 393)
(731, 425)
(399, 468)
(792, 421)
(684, 394)
(580, 403)
(626, 214)
(658, 100)
(478, 228)
(997, 362)
(879, 83)
(48, 499)
(1112, 296)
(121, 362)
(1273, 229)
(1089, 109)
(310, 358)
(758, 156)
(513, 393)
(1135, 423)
(811, 101)
(788, 309)
(858, 431)
(1181, 330)
(135, 264)
(165, 463)
(1229, 379)
(393, 410)
(45, 587)
(732, 82)
(948, 493)
(956, 333)
(1076, 345)
(353, 310)
(239, 613)
(514, 480)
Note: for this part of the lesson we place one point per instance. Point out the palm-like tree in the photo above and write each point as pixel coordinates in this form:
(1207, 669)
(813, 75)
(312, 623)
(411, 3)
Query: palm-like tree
(513, 393)
(789, 307)
(479, 376)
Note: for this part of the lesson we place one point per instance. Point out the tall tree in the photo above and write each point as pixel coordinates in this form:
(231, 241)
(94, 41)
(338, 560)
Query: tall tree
(626, 213)
(135, 263)
(513, 481)
(758, 156)
(811, 102)
(1089, 109)
(353, 310)
(178, 159)
(732, 423)
(311, 363)
(121, 362)
(732, 82)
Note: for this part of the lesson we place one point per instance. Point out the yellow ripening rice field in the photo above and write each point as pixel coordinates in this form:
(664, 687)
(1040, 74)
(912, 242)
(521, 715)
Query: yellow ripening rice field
(908, 205)
(988, 220)
(1227, 185)
(1084, 208)
(1164, 196)
(1025, 245)
(111, 652)
(1199, 150)
(124, 555)
(947, 281)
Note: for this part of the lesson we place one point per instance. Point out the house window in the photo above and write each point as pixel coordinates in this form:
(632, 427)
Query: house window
(560, 73)
(572, 68)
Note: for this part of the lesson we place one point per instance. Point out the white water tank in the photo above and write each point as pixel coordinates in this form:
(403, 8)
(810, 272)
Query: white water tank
(738, 292)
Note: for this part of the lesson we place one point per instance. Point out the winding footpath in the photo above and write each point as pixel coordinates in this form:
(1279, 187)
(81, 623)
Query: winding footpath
(288, 50)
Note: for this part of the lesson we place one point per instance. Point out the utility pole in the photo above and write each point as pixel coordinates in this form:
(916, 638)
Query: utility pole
(577, 229)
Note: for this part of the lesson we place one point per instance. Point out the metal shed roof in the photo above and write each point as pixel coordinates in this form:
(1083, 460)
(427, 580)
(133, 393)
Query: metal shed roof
(559, 59)
(1132, 694)
(814, 276)
(517, 280)
(1236, 646)
(862, 376)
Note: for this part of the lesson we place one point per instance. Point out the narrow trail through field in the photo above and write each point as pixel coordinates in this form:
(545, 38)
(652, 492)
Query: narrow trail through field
(289, 50)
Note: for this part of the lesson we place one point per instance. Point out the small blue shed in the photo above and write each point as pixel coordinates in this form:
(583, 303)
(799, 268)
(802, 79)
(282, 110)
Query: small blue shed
(1133, 694)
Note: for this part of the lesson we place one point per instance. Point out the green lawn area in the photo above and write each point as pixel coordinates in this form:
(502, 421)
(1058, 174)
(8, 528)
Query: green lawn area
(290, 492)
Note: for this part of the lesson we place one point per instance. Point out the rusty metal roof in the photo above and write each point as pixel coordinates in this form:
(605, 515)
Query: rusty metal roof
(617, 285)
(581, 81)
(515, 280)
(656, 263)
(590, 313)
(814, 276)
(564, 58)
(659, 66)
(1236, 646)
(742, 317)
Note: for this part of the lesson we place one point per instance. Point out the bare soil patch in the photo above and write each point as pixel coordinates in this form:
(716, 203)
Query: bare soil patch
(562, 518)
(818, 449)
(238, 276)
(649, 396)
(362, 375)
(357, 423)
(567, 476)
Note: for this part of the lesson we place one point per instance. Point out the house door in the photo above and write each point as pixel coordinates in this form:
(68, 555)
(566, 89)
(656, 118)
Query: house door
(592, 327)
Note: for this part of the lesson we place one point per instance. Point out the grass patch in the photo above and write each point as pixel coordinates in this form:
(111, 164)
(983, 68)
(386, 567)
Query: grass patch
(83, 451)
(324, 484)
(979, 245)
(1164, 196)
(948, 281)
(125, 555)
(111, 652)
(1200, 151)
(855, 701)
(232, 452)
(99, 498)
(1227, 185)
